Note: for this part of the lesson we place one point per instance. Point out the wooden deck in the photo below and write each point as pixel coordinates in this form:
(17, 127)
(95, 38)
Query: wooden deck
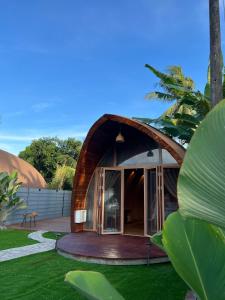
(110, 249)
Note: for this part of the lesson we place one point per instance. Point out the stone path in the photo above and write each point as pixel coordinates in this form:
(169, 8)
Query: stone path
(43, 245)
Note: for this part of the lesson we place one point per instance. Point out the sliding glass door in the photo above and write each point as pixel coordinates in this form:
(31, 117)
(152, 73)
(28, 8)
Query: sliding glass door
(170, 177)
(112, 204)
(151, 201)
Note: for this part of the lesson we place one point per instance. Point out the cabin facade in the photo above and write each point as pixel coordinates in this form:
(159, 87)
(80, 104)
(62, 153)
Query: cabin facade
(125, 181)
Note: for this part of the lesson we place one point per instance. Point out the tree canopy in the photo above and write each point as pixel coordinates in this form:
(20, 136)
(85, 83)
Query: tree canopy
(48, 153)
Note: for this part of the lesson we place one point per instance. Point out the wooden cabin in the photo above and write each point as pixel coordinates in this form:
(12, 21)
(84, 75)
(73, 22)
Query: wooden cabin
(125, 181)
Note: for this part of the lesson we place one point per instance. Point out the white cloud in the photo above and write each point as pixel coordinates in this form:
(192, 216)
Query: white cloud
(61, 133)
(8, 137)
(39, 107)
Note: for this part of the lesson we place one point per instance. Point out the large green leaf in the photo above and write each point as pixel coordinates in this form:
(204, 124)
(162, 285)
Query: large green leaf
(197, 252)
(92, 285)
(201, 183)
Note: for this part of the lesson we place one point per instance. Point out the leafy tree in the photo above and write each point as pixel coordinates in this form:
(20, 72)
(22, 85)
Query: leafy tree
(47, 154)
(63, 178)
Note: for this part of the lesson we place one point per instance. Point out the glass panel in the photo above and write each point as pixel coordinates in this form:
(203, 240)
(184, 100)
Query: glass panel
(90, 204)
(147, 157)
(108, 158)
(170, 190)
(134, 152)
(152, 211)
(112, 201)
(167, 158)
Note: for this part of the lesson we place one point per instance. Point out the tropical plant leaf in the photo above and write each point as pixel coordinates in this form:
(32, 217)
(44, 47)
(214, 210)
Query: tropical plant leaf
(92, 285)
(159, 96)
(157, 240)
(170, 111)
(201, 183)
(197, 252)
(190, 119)
(207, 90)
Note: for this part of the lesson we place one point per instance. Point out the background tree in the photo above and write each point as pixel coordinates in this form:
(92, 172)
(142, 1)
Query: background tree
(47, 154)
(63, 178)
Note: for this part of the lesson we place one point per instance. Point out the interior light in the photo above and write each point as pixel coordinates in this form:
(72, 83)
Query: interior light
(120, 138)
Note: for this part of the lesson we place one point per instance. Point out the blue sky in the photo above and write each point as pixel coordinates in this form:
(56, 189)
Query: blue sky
(65, 63)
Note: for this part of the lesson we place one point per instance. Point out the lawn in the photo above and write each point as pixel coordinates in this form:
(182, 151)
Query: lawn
(41, 277)
(11, 238)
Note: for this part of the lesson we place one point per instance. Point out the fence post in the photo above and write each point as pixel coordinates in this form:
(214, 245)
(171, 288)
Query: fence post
(28, 194)
(63, 203)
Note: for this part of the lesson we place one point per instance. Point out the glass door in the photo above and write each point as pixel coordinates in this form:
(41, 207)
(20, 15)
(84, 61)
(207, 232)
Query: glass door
(170, 177)
(154, 204)
(151, 225)
(112, 204)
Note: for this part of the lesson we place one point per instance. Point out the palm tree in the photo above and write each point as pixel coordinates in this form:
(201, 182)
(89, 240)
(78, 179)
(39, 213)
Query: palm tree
(188, 107)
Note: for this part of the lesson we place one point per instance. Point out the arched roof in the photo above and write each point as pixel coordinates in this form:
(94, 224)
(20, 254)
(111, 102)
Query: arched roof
(27, 174)
(99, 137)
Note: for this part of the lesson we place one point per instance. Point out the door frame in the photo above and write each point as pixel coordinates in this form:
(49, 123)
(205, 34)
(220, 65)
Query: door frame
(146, 197)
(121, 200)
(159, 195)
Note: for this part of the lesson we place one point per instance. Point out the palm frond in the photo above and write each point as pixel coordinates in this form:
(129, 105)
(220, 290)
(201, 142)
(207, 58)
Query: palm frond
(159, 96)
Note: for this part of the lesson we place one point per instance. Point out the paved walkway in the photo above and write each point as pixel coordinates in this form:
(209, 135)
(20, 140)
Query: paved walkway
(43, 246)
(61, 224)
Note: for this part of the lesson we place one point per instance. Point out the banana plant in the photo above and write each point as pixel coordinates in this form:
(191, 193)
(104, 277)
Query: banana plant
(92, 285)
(9, 201)
(194, 237)
(197, 251)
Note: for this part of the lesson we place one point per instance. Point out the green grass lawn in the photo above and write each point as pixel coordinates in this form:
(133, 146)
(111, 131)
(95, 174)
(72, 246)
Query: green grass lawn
(11, 238)
(41, 277)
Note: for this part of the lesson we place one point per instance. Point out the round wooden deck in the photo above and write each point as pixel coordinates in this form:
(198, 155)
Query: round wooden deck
(110, 249)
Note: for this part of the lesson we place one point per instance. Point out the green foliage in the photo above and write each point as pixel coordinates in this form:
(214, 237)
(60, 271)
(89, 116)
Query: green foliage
(93, 285)
(194, 237)
(63, 178)
(47, 154)
(169, 82)
(189, 107)
(197, 252)
(201, 183)
(9, 201)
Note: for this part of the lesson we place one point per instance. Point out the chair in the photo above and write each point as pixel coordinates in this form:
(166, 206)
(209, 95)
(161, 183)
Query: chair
(32, 217)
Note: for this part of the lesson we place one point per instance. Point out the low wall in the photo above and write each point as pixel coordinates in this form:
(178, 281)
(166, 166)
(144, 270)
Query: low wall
(47, 203)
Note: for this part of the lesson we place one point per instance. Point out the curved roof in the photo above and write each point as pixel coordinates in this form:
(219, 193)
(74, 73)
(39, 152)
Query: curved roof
(98, 139)
(27, 174)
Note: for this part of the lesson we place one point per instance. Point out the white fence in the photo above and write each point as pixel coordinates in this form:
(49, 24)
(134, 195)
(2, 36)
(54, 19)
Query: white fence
(47, 203)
